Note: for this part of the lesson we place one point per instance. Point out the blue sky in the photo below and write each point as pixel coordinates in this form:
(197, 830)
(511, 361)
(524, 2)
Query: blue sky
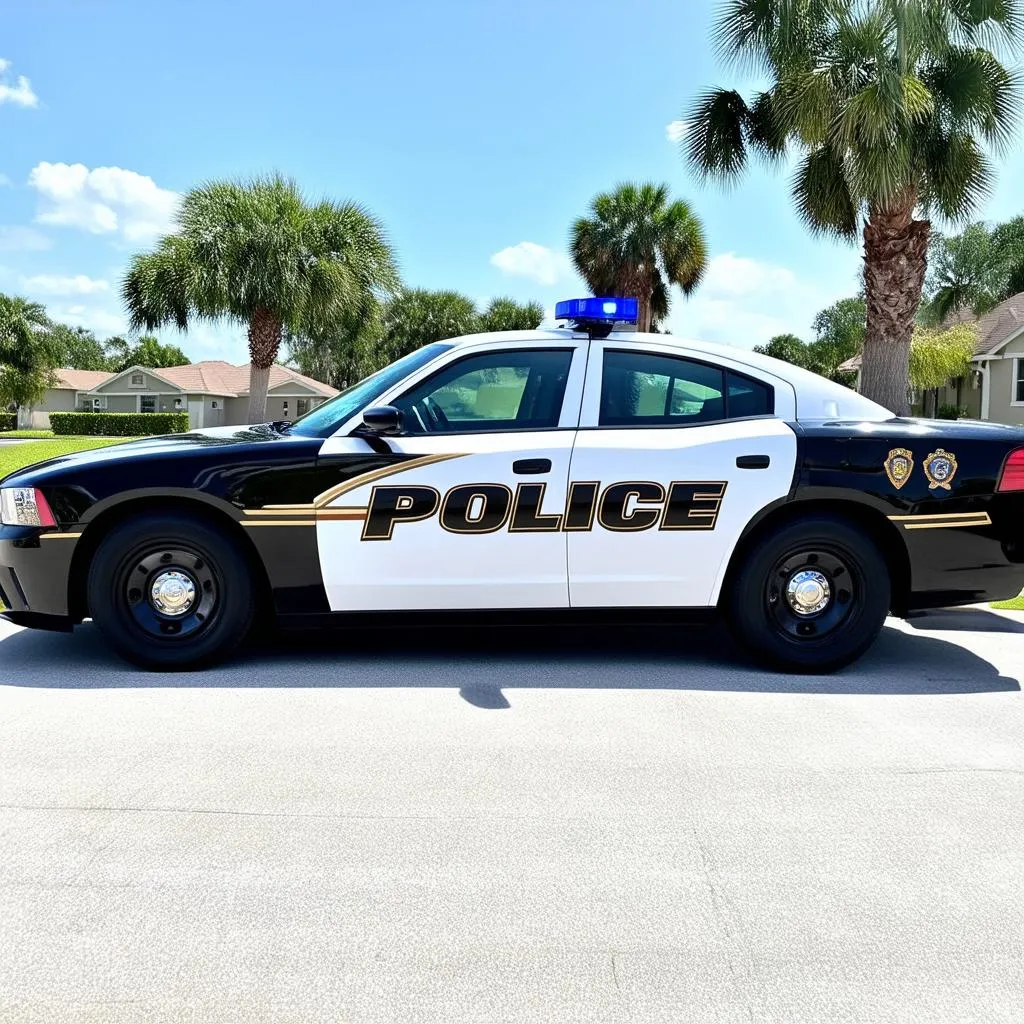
(476, 132)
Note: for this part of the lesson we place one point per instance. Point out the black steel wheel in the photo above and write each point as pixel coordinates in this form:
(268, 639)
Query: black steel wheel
(170, 592)
(812, 596)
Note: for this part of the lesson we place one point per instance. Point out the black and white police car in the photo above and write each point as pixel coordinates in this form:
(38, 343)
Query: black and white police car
(568, 470)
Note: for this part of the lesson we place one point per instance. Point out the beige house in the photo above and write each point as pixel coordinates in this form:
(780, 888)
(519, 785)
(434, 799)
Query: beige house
(994, 389)
(213, 393)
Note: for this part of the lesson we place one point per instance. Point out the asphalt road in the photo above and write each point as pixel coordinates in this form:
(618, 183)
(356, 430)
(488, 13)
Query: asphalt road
(480, 826)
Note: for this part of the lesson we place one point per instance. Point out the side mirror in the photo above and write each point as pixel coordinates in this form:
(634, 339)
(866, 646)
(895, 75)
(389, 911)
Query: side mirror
(383, 419)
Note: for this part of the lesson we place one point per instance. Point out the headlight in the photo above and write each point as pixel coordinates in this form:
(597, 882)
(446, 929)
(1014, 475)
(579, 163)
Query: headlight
(24, 506)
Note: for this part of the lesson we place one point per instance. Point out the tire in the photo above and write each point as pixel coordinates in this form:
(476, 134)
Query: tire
(170, 592)
(780, 609)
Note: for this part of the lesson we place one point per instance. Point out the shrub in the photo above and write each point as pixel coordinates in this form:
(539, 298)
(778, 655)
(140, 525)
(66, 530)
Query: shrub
(8, 421)
(951, 412)
(118, 424)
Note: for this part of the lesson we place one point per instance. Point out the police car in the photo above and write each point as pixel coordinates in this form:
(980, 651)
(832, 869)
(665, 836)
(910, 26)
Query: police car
(572, 470)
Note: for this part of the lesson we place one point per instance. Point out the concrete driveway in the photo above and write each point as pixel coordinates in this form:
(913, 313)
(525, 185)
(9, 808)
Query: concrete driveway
(477, 826)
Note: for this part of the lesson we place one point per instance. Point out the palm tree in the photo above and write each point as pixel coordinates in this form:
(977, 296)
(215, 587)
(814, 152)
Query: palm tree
(636, 243)
(975, 270)
(27, 351)
(258, 253)
(888, 104)
(24, 335)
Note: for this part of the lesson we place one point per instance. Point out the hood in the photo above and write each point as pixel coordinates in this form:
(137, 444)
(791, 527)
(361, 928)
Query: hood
(196, 443)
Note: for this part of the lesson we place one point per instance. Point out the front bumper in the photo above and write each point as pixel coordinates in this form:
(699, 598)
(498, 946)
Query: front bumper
(35, 570)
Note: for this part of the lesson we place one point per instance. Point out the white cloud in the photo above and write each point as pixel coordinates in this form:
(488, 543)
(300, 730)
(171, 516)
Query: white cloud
(104, 200)
(729, 274)
(745, 302)
(57, 284)
(20, 93)
(5, 182)
(536, 262)
(21, 239)
(675, 131)
(104, 322)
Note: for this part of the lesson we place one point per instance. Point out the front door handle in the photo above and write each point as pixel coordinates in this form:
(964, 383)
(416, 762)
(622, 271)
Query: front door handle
(530, 467)
(753, 461)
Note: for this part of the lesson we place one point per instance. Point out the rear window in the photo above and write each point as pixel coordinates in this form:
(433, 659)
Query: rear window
(645, 389)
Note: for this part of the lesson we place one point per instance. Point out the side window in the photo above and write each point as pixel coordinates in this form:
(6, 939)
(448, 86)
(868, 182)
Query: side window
(644, 389)
(506, 390)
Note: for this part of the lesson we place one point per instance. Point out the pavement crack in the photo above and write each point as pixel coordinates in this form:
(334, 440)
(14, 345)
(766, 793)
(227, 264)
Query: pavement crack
(222, 812)
(744, 978)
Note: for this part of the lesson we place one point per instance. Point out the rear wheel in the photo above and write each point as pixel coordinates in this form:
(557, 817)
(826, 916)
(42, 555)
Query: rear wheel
(170, 592)
(812, 596)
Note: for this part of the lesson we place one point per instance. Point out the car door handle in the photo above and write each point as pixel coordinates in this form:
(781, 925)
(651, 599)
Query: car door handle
(530, 467)
(753, 461)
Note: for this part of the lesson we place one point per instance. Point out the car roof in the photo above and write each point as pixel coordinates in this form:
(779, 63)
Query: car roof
(817, 398)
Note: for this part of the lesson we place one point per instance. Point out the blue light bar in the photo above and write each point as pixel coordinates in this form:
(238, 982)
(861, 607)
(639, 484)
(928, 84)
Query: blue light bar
(608, 310)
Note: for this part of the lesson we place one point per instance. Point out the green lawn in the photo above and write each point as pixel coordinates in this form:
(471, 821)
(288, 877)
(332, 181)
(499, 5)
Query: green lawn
(15, 456)
(1016, 605)
(26, 433)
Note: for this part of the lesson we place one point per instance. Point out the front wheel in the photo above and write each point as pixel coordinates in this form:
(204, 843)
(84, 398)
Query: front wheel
(812, 596)
(170, 592)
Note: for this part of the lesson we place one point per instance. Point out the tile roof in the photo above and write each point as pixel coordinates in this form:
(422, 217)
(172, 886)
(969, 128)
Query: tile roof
(211, 377)
(216, 377)
(80, 380)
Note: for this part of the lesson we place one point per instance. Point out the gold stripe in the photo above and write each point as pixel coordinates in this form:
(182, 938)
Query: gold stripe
(59, 536)
(941, 515)
(959, 524)
(283, 522)
(355, 514)
(280, 512)
(379, 474)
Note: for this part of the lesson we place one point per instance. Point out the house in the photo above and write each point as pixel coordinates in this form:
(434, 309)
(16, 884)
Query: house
(994, 390)
(213, 393)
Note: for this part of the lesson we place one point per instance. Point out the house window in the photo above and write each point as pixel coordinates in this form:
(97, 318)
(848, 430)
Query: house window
(147, 403)
(1018, 381)
(138, 380)
(285, 406)
(301, 406)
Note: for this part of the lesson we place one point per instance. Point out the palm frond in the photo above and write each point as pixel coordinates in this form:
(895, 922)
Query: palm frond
(959, 175)
(822, 196)
(716, 140)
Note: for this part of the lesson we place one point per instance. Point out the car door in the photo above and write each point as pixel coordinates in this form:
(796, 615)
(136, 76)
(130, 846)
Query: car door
(673, 457)
(469, 512)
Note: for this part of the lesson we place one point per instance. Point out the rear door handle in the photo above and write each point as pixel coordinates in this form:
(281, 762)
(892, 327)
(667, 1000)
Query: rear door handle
(753, 461)
(530, 467)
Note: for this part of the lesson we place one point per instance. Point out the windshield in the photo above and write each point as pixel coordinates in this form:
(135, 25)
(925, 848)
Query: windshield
(327, 418)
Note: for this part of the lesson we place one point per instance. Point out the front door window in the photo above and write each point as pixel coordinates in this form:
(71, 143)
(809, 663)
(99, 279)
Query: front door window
(493, 391)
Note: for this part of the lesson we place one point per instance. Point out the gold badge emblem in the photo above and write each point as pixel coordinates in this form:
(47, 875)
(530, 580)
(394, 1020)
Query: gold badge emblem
(898, 466)
(940, 467)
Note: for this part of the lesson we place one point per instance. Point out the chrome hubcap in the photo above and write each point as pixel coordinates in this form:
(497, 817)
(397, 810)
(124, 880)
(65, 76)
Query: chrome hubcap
(808, 592)
(172, 593)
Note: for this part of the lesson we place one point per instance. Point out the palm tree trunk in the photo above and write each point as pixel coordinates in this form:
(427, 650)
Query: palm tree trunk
(643, 322)
(895, 260)
(264, 341)
(643, 289)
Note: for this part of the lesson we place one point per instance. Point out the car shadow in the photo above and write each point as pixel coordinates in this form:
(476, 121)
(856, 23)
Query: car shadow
(967, 620)
(481, 663)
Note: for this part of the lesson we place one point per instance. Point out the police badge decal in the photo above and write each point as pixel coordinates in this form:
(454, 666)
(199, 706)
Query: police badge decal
(940, 467)
(899, 464)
